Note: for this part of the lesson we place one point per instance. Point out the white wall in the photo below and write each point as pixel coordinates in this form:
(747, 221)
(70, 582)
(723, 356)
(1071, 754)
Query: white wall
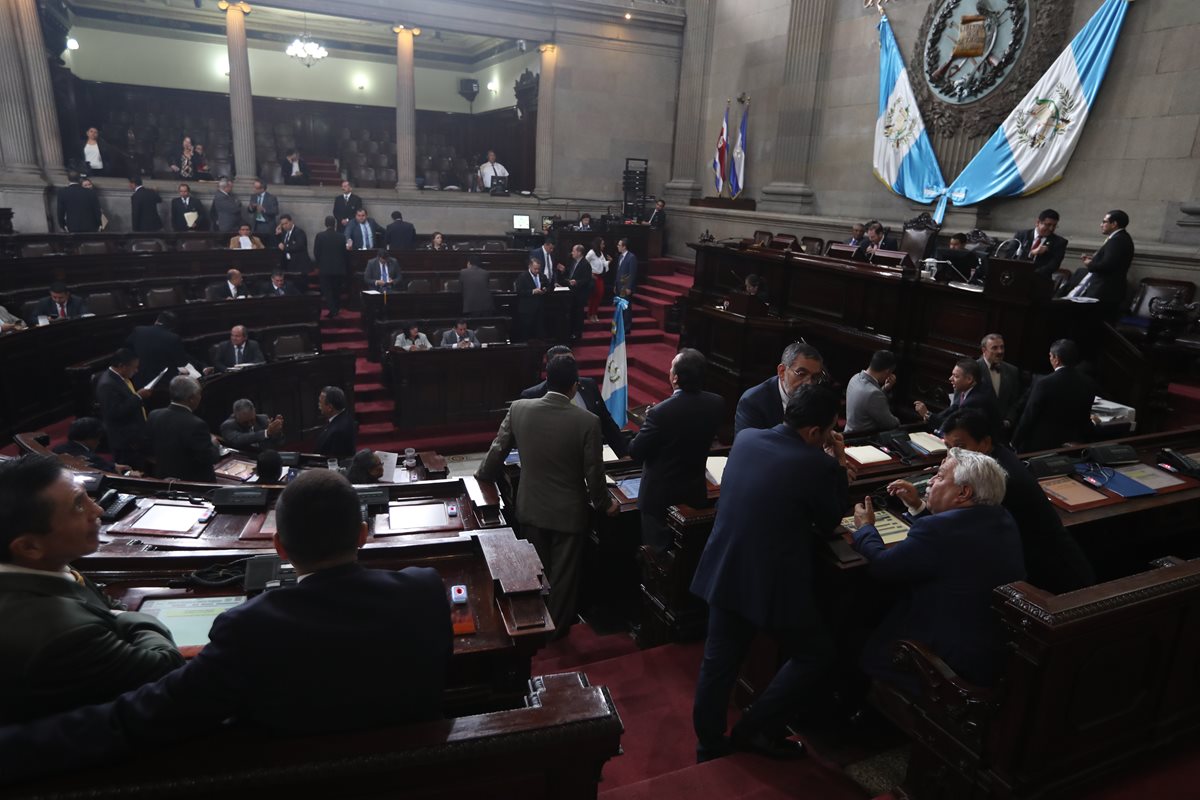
(108, 56)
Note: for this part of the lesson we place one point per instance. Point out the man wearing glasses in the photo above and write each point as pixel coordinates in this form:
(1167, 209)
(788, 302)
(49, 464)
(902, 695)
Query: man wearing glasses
(1108, 266)
(762, 406)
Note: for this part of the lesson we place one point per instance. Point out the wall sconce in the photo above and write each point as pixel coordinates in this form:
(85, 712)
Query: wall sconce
(493, 86)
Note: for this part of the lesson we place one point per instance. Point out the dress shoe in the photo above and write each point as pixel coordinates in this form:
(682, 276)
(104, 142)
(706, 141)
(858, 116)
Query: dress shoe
(777, 748)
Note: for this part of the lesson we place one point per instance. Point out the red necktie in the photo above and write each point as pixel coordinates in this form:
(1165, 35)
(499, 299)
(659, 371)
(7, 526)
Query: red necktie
(1036, 244)
(62, 311)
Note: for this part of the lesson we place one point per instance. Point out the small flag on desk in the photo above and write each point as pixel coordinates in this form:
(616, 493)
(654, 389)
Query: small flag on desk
(737, 166)
(718, 163)
(615, 390)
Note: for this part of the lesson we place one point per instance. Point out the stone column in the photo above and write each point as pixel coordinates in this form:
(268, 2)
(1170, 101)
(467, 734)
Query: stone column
(406, 114)
(545, 121)
(40, 93)
(241, 101)
(693, 85)
(18, 153)
(798, 106)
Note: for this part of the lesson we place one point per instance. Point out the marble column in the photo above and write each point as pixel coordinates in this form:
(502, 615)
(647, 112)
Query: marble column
(798, 108)
(406, 114)
(693, 84)
(18, 153)
(241, 101)
(545, 121)
(39, 92)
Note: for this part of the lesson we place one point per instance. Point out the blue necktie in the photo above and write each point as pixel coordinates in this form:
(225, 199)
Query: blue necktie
(366, 237)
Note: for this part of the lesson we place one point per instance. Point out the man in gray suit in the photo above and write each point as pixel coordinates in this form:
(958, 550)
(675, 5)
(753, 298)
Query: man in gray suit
(867, 406)
(460, 336)
(65, 643)
(382, 273)
(1005, 379)
(264, 213)
(476, 295)
(226, 210)
(561, 475)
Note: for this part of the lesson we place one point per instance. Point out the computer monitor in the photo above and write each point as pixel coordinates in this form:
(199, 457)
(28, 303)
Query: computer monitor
(520, 222)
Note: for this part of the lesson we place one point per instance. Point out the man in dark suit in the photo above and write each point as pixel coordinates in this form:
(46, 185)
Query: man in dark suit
(246, 429)
(531, 288)
(122, 409)
(561, 476)
(658, 217)
(1053, 560)
(784, 490)
(329, 251)
(363, 233)
(673, 446)
(78, 208)
(459, 337)
(345, 206)
(226, 212)
(185, 204)
(1041, 245)
(281, 286)
(858, 234)
(182, 445)
(59, 304)
(382, 272)
(969, 391)
(64, 647)
(762, 406)
(158, 347)
(143, 205)
(293, 244)
(232, 288)
(476, 291)
(1108, 266)
(1005, 379)
(400, 235)
(547, 267)
(588, 397)
(238, 350)
(339, 437)
(294, 169)
(627, 277)
(877, 238)
(263, 211)
(262, 656)
(83, 440)
(579, 280)
(947, 567)
(1059, 409)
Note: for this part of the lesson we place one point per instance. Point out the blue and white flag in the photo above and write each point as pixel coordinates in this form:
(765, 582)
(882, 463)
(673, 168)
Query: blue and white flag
(718, 164)
(904, 158)
(1031, 149)
(615, 389)
(737, 165)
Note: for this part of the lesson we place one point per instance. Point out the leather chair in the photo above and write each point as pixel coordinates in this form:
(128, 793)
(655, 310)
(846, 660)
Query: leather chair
(1059, 281)
(419, 286)
(37, 249)
(451, 285)
(163, 296)
(498, 285)
(920, 237)
(290, 345)
(92, 248)
(102, 303)
(784, 241)
(493, 246)
(195, 244)
(147, 246)
(763, 238)
(488, 334)
(812, 245)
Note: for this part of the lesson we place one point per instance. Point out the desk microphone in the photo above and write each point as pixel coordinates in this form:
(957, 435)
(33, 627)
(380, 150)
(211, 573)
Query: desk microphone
(933, 262)
(1016, 254)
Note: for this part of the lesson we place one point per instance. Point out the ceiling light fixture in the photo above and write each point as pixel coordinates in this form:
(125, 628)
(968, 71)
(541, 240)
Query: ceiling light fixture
(305, 50)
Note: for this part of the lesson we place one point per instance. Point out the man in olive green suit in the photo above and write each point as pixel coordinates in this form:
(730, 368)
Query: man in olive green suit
(561, 473)
(65, 644)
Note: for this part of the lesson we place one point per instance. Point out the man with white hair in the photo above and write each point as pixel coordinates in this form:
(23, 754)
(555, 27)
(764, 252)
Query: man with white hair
(952, 559)
(182, 445)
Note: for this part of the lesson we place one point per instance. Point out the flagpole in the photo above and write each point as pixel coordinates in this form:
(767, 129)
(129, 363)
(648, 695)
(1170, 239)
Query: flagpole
(725, 176)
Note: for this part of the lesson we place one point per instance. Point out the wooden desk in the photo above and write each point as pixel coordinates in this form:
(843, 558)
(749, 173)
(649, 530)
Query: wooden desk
(849, 309)
(68, 243)
(444, 386)
(39, 272)
(38, 357)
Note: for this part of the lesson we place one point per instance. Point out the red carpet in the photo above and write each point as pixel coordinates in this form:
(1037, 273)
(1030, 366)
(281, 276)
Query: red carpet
(581, 648)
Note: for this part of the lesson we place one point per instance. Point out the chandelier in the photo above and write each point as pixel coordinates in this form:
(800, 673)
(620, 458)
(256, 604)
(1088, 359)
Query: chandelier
(305, 50)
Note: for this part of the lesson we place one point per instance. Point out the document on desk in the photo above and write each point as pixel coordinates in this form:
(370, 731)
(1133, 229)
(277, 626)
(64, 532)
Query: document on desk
(389, 465)
(1070, 492)
(867, 454)
(927, 443)
(189, 618)
(630, 487)
(609, 455)
(1152, 477)
(714, 468)
(891, 528)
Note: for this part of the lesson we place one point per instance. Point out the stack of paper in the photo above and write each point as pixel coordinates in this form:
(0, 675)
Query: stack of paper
(609, 455)
(927, 443)
(866, 454)
(715, 469)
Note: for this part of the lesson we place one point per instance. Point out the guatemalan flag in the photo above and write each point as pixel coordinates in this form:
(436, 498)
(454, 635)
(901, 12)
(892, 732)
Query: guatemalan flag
(737, 166)
(718, 163)
(615, 389)
(1031, 149)
(904, 158)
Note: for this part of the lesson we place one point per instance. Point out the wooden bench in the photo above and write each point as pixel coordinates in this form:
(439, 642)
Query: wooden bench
(553, 748)
(1093, 679)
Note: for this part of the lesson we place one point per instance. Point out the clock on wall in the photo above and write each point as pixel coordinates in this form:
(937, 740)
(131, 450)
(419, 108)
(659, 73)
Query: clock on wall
(977, 58)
